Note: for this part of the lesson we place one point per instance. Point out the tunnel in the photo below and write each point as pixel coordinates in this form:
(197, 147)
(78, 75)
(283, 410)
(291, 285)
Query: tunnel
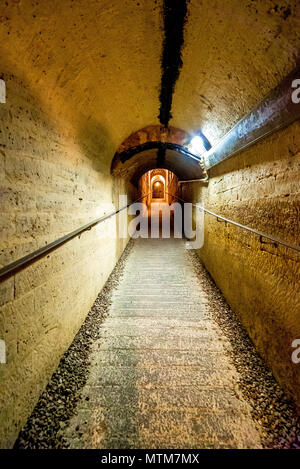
(114, 334)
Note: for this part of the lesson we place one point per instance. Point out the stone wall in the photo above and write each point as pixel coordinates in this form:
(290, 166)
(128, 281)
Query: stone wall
(258, 187)
(50, 184)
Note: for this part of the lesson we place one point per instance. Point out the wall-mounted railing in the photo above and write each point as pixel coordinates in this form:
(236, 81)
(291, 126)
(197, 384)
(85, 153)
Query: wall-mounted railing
(17, 265)
(262, 235)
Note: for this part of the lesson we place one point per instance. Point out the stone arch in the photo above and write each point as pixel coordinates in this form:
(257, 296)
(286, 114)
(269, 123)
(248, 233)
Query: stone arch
(157, 146)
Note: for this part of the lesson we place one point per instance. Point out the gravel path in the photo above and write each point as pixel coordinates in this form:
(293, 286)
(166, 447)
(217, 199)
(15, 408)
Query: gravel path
(160, 377)
(56, 413)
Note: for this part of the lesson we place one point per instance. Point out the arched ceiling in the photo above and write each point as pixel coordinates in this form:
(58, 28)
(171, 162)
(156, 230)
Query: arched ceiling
(235, 52)
(91, 63)
(156, 146)
(183, 166)
(96, 64)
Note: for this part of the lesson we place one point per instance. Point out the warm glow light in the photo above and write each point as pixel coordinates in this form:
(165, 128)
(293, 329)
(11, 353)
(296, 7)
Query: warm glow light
(196, 145)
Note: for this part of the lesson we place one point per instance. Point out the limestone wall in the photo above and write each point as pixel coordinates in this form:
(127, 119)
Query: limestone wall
(51, 183)
(258, 187)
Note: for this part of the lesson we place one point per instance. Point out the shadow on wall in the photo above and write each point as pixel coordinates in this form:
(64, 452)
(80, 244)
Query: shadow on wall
(44, 157)
(95, 143)
(58, 116)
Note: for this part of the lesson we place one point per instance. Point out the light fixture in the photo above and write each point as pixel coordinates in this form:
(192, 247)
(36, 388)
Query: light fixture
(196, 145)
(199, 143)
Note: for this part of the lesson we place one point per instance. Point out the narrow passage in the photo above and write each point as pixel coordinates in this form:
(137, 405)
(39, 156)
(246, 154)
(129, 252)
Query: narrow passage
(160, 373)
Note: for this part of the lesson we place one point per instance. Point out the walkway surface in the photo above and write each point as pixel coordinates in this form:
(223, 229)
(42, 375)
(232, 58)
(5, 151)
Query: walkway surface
(160, 374)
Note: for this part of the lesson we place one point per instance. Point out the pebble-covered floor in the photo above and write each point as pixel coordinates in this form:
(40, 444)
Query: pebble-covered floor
(161, 362)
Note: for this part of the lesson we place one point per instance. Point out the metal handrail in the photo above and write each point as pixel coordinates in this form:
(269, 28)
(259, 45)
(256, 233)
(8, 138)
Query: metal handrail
(244, 227)
(31, 257)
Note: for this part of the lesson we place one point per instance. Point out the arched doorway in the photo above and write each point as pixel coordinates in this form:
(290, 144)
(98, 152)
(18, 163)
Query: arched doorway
(158, 190)
(158, 187)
